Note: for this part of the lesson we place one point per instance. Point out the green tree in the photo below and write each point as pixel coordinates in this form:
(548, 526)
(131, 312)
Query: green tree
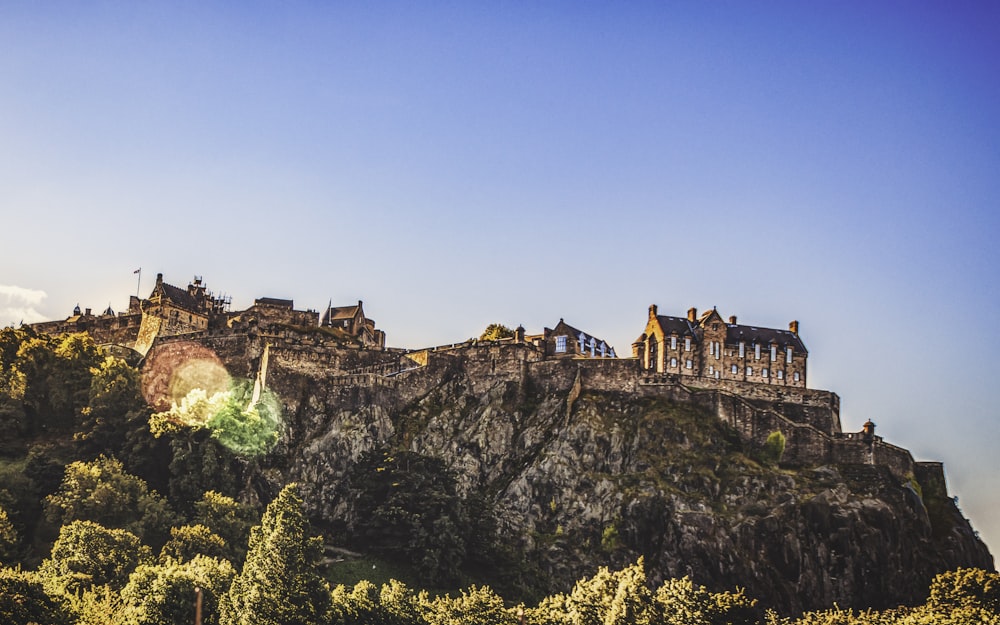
(410, 506)
(8, 539)
(188, 541)
(52, 376)
(496, 331)
(228, 519)
(23, 600)
(280, 582)
(165, 594)
(114, 400)
(774, 448)
(101, 491)
(965, 588)
(475, 606)
(88, 554)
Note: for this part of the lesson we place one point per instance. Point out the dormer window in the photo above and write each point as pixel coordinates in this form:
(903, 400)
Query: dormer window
(560, 344)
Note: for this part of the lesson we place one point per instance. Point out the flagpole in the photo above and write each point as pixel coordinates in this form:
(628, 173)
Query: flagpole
(138, 282)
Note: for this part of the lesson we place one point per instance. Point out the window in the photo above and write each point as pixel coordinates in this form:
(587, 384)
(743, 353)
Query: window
(673, 362)
(788, 355)
(735, 370)
(781, 374)
(742, 349)
(795, 376)
(749, 371)
(756, 351)
(763, 372)
(687, 343)
(711, 370)
(718, 374)
(774, 352)
(688, 364)
(560, 344)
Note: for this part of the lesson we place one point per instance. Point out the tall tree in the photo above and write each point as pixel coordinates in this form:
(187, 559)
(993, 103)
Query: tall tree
(88, 554)
(101, 491)
(280, 582)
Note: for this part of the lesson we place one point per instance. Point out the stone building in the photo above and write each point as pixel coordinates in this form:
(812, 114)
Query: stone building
(352, 321)
(565, 341)
(708, 346)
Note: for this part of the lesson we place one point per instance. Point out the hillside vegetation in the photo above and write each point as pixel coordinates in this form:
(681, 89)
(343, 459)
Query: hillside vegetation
(558, 505)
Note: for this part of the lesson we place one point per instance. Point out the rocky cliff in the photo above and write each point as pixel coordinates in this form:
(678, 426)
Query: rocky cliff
(578, 469)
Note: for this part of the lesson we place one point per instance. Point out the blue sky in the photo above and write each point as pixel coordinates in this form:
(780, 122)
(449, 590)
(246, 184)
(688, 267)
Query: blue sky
(455, 164)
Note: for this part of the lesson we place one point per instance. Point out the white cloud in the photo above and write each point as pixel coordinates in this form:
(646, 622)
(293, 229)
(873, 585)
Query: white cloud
(19, 304)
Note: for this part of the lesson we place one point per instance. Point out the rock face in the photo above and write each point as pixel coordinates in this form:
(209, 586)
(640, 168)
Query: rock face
(580, 473)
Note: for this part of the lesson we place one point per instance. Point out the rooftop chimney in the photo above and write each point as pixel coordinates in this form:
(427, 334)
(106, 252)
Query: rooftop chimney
(652, 311)
(794, 327)
(732, 319)
(692, 314)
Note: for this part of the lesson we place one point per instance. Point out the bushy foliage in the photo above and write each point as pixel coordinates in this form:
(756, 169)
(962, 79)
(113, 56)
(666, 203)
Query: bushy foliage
(88, 554)
(189, 541)
(52, 377)
(410, 506)
(114, 401)
(228, 519)
(165, 593)
(473, 606)
(101, 491)
(280, 582)
(774, 448)
(23, 600)
(8, 539)
(496, 331)
(392, 604)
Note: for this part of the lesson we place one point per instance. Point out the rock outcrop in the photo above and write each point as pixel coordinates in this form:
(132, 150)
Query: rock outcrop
(582, 469)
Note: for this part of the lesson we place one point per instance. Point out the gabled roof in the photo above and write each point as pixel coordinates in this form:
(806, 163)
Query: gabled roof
(680, 325)
(339, 313)
(180, 297)
(576, 332)
(765, 336)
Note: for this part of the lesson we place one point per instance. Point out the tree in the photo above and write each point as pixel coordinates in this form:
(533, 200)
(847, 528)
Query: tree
(88, 554)
(475, 606)
(496, 331)
(23, 600)
(188, 541)
(965, 588)
(114, 400)
(228, 519)
(8, 538)
(165, 594)
(280, 583)
(774, 448)
(411, 507)
(101, 491)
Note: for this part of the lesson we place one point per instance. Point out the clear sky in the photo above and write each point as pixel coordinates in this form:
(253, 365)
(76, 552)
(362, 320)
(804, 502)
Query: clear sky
(455, 164)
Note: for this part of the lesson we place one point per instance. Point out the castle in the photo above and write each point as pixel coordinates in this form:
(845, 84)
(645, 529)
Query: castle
(750, 377)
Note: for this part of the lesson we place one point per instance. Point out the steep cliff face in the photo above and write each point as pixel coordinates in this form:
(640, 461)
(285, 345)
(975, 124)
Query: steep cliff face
(579, 475)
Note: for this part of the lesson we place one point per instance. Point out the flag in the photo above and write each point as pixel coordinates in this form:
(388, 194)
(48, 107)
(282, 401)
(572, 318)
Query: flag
(137, 270)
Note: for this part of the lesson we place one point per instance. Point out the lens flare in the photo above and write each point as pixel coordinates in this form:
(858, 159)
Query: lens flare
(188, 387)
